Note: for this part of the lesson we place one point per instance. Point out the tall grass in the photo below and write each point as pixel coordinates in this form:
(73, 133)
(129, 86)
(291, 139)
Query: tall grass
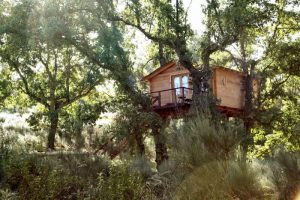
(205, 163)
(285, 169)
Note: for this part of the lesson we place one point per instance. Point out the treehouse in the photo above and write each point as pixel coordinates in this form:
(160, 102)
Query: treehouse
(171, 90)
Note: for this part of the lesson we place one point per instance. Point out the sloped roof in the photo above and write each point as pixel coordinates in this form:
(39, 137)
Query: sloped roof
(228, 69)
(173, 62)
(159, 70)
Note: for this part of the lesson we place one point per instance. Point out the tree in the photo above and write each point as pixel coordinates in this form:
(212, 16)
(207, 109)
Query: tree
(253, 17)
(5, 85)
(105, 50)
(50, 71)
(166, 24)
(262, 25)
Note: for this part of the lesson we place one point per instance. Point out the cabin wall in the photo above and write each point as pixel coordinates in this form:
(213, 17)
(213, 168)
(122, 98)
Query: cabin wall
(226, 84)
(228, 88)
(163, 81)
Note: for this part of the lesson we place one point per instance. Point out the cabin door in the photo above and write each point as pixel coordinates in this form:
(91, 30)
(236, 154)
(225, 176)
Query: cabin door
(181, 91)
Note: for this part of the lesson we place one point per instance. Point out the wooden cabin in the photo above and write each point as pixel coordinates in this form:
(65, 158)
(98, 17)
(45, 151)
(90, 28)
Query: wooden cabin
(171, 89)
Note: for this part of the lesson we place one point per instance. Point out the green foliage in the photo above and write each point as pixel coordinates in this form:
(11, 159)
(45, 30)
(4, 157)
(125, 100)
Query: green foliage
(52, 177)
(290, 63)
(205, 161)
(221, 180)
(121, 183)
(215, 142)
(169, 20)
(5, 85)
(42, 60)
(7, 195)
(74, 119)
(58, 51)
(286, 175)
(132, 121)
(40, 45)
(31, 179)
(278, 116)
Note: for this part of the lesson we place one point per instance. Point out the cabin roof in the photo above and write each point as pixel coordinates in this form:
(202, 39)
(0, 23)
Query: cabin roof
(227, 69)
(159, 70)
(173, 62)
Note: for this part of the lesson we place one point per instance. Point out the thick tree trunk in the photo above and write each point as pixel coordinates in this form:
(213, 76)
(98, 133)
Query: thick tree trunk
(162, 59)
(160, 146)
(202, 100)
(200, 78)
(52, 130)
(186, 61)
(79, 139)
(247, 112)
(248, 69)
(140, 144)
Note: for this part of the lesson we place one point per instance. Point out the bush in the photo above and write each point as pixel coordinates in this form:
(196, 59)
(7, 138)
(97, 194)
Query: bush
(33, 178)
(205, 162)
(7, 195)
(6, 145)
(121, 183)
(197, 142)
(221, 180)
(52, 177)
(286, 175)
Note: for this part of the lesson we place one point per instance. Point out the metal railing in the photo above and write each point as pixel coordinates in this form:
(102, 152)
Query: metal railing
(177, 95)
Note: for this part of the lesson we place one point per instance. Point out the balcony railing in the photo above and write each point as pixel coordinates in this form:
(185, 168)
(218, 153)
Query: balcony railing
(173, 96)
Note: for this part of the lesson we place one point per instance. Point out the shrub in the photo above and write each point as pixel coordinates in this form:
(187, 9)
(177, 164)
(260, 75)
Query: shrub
(197, 142)
(7, 195)
(286, 175)
(6, 145)
(121, 183)
(33, 178)
(220, 180)
(204, 162)
(51, 177)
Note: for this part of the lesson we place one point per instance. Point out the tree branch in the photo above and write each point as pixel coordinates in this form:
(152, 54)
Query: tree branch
(141, 29)
(26, 85)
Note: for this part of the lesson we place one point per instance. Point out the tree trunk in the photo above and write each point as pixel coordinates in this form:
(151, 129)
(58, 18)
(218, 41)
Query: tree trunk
(162, 59)
(247, 113)
(200, 78)
(203, 101)
(140, 143)
(79, 139)
(248, 69)
(185, 61)
(160, 146)
(52, 130)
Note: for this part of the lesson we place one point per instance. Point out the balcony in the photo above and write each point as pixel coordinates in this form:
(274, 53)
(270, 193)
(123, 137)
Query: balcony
(175, 102)
(172, 101)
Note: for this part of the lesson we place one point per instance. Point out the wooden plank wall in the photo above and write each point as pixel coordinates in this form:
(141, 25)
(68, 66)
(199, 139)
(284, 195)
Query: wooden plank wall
(226, 85)
(163, 81)
(228, 88)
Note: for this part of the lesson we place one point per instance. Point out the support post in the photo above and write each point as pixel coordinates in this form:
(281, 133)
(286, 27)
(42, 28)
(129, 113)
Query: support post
(175, 96)
(159, 99)
(182, 92)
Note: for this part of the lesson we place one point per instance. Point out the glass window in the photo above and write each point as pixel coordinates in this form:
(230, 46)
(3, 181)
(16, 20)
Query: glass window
(177, 84)
(185, 81)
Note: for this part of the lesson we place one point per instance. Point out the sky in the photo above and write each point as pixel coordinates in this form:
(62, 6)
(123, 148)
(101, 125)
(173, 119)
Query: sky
(195, 19)
(195, 14)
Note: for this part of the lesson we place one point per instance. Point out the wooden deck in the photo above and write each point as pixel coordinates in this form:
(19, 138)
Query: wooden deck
(179, 105)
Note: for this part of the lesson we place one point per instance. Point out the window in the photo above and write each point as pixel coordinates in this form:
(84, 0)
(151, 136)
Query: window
(180, 82)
